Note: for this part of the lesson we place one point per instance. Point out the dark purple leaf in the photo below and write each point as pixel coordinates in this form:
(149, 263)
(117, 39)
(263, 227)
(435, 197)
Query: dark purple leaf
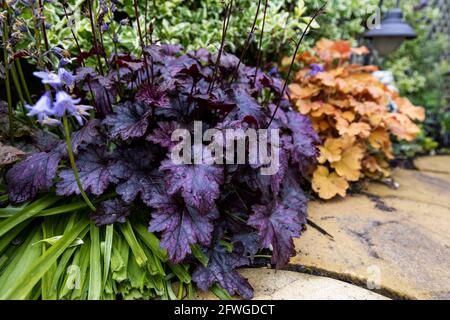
(87, 135)
(216, 100)
(199, 184)
(110, 212)
(249, 240)
(163, 134)
(278, 222)
(95, 172)
(33, 175)
(221, 269)
(152, 96)
(247, 109)
(137, 173)
(129, 121)
(181, 225)
(304, 141)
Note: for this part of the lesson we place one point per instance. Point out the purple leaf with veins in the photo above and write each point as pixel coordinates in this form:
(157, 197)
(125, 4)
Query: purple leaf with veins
(110, 212)
(95, 171)
(181, 225)
(129, 121)
(163, 134)
(198, 184)
(280, 221)
(138, 176)
(152, 96)
(33, 175)
(221, 269)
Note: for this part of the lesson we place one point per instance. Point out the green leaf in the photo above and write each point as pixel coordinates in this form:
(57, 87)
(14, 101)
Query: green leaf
(95, 265)
(139, 254)
(27, 213)
(107, 252)
(21, 288)
(51, 241)
(11, 235)
(221, 293)
(198, 253)
(151, 241)
(20, 263)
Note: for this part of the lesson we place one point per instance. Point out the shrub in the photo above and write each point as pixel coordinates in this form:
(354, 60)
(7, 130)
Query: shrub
(193, 24)
(225, 212)
(354, 113)
(418, 67)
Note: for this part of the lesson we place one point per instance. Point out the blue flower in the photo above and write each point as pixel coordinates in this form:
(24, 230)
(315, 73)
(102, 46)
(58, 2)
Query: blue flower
(49, 78)
(66, 77)
(42, 109)
(64, 103)
(56, 80)
(82, 113)
(315, 69)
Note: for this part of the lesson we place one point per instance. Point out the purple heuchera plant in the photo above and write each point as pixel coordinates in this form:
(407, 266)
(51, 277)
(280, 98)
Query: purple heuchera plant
(186, 205)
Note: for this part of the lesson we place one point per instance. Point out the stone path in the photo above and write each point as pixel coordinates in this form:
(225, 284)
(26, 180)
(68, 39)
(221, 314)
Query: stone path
(396, 241)
(270, 284)
(392, 241)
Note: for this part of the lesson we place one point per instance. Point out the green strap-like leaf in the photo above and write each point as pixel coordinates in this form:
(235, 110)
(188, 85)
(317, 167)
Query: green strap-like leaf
(23, 287)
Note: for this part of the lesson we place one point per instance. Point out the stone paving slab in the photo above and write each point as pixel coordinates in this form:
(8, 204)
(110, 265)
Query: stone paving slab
(426, 187)
(396, 240)
(270, 284)
(439, 164)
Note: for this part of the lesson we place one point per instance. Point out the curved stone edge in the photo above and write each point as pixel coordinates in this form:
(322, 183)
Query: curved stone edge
(270, 284)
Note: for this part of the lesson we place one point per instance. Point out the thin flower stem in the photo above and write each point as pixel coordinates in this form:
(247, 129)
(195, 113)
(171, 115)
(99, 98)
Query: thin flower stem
(43, 28)
(15, 78)
(226, 22)
(73, 164)
(146, 21)
(247, 42)
(7, 81)
(94, 35)
(141, 39)
(19, 92)
(80, 51)
(258, 59)
(316, 14)
(22, 80)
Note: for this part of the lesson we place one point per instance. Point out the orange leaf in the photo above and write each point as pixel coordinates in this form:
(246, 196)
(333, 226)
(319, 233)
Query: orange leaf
(331, 151)
(373, 167)
(349, 166)
(328, 185)
(361, 129)
(407, 108)
(401, 126)
(361, 51)
(379, 140)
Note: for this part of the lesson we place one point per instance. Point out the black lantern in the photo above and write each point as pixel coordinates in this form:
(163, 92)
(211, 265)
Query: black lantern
(390, 35)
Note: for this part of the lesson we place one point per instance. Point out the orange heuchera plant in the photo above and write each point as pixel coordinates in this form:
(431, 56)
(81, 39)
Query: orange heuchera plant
(354, 113)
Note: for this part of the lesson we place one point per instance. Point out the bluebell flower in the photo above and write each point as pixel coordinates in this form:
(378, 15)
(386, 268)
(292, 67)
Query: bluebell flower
(42, 109)
(66, 77)
(49, 78)
(315, 69)
(56, 80)
(65, 104)
(82, 113)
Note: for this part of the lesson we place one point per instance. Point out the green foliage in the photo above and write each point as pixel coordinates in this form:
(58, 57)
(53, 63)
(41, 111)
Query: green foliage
(60, 256)
(344, 19)
(193, 24)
